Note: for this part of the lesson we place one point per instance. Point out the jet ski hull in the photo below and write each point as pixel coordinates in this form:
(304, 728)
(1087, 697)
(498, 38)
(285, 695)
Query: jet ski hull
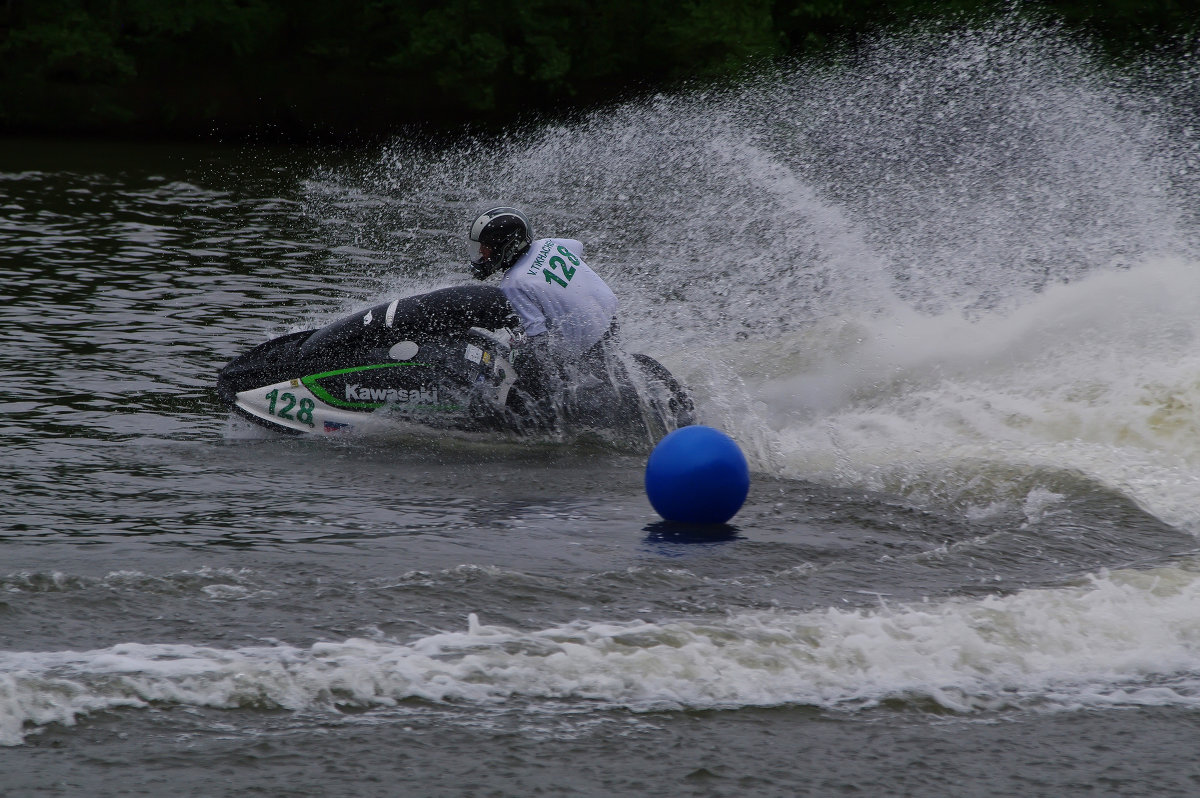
(439, 361)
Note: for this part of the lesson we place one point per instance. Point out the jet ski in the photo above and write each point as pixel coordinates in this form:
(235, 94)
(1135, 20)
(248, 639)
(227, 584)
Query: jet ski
(447, 360)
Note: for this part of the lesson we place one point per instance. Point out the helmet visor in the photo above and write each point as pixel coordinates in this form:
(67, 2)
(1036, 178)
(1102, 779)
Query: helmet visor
(478, 253)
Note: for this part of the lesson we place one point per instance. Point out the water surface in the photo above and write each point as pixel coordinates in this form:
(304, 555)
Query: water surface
(944, 298)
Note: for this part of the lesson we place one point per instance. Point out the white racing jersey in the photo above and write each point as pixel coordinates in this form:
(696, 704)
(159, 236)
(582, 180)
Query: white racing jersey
(555, 292)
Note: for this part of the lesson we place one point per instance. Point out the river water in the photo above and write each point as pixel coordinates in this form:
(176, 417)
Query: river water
(946, 297)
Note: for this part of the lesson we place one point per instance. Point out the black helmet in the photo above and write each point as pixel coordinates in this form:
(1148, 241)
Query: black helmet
(498, 237)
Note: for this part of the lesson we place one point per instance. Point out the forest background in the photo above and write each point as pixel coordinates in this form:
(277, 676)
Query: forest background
(318, 69)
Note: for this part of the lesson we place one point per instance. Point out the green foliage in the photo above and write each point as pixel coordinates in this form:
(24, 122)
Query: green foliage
(463, 61)
(715, 37)
(307, 66)
(70, 48)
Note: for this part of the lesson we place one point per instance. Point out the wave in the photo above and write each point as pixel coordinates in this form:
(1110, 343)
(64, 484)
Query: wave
(957, 248)
(1099, 377)
(1116, 639)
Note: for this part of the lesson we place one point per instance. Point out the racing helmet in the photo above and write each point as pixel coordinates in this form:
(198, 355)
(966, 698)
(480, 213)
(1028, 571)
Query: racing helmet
(497, 238)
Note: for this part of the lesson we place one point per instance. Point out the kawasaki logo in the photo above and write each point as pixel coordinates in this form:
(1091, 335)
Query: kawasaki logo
(363, 393)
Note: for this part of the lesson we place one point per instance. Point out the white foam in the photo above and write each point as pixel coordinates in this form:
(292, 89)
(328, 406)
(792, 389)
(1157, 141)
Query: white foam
(960, 249)
(1119, 639)
(1098, 377)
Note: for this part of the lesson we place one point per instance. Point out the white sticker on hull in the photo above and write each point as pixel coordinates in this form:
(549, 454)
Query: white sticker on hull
(405, 350)
(295, 407)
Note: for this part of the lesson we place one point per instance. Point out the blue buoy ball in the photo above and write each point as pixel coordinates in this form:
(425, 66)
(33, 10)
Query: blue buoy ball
(697, 475)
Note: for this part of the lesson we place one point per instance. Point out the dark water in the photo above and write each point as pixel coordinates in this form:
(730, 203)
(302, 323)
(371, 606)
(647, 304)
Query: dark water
(966, 382)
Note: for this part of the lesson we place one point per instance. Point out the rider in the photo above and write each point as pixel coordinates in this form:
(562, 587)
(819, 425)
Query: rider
(567, 311)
